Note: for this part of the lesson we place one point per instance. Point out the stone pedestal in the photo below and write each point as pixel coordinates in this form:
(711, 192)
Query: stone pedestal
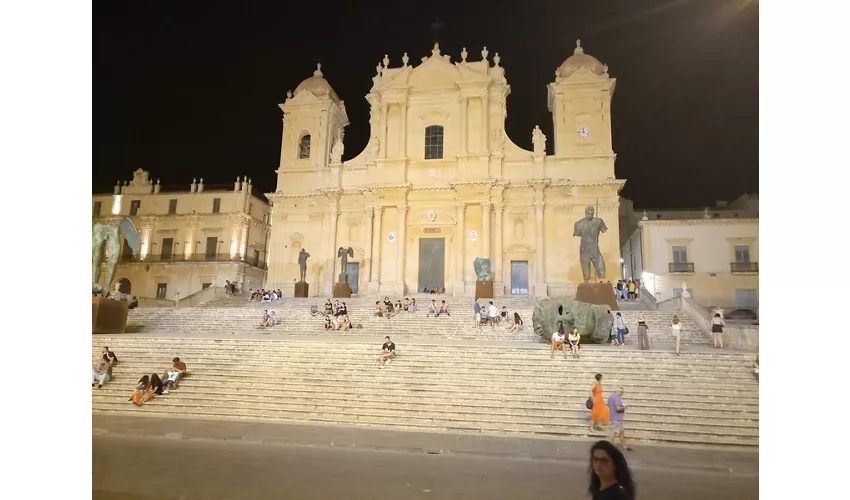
(484, 290)
(342, 291)
(601, 294)
(302, 290)
(108, 316)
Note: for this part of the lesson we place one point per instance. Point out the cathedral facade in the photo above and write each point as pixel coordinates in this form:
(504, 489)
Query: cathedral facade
(440, 183)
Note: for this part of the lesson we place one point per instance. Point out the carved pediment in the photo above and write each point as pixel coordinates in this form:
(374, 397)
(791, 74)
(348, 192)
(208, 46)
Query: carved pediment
(434, 74)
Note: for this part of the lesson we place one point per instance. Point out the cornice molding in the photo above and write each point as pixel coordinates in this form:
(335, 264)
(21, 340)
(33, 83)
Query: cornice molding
(699, 222)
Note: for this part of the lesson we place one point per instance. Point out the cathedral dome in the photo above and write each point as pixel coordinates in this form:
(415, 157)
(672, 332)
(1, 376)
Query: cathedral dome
(578, 61)
(317, 85)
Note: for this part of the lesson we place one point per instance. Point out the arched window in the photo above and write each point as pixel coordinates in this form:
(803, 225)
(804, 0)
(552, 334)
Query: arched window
(304, 147)
(433, 142)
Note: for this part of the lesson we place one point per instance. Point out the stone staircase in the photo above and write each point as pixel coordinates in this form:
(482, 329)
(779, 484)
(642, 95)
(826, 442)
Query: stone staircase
(706, 398)
(238, 315)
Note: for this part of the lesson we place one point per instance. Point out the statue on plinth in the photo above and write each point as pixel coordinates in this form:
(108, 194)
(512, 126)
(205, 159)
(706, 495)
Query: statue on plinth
(344, 254)
(302, 264)
(110, 237)
(337, 151)
(588, 229)
(482, 269)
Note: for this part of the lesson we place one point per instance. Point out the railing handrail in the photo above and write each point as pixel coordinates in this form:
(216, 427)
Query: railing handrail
(198, 257)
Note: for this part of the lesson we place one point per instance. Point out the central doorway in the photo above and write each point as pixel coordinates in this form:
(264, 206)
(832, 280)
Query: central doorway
(432, 263)
(352, 270)
(519, 277)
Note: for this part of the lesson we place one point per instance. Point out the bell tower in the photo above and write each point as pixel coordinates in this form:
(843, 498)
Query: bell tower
(314, 119)
(580, 103)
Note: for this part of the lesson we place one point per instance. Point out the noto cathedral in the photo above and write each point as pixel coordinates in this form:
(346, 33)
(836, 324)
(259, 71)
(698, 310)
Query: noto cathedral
(440, 183)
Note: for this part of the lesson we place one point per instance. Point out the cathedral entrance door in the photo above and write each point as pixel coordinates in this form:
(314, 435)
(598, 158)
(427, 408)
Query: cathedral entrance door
(352, 269)
(432, 263)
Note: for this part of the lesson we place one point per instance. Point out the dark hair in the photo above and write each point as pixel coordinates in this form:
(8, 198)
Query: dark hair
(175, 360)
(716, 315)
(387, 337)
(155, 380)
(491, 301)
(598, 377)
(106, 347)
(145, 381)
(517, 319)
(622, 474)
(618, 314)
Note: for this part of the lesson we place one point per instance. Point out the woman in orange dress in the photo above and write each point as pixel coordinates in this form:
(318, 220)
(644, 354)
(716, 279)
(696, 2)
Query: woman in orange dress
(599, 413)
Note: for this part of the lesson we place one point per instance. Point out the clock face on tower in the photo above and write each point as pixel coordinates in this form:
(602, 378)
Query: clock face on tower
(583, 132)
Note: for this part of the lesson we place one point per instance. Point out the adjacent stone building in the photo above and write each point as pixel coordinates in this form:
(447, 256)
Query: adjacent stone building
(440, 183)
(710, 253)
(191, 237)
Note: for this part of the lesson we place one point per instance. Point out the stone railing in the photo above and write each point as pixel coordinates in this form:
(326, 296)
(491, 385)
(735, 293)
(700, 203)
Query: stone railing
(201, 296)
(744, 337)
(648, 299)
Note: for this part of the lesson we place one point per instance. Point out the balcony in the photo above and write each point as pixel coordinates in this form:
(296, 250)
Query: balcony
(744, 267)
(174, 258)
(680, 267)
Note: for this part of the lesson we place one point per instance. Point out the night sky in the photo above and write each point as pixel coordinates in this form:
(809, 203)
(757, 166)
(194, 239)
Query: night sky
(190, 89)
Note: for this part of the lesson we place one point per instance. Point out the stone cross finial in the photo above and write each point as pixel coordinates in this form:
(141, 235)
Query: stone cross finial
(484, 53)
(463, 54)
(436, 50)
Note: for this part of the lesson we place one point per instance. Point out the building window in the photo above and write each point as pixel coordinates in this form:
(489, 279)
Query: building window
(680, 255)
(167, 248)
(135, 205)
(433, 142)
(172, 207)
(161, 290)
(96, 210)
(304, 147)
(742, 253)
(216, 205)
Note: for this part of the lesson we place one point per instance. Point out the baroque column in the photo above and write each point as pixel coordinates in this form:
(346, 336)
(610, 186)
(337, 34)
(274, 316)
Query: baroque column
(402, 244)
(485, 127)
(498, 280)
(540, 289)
(333, 218)
(375, 259)
(367, 265)
(460, 236)
(383, 148)
(403, 131)
(464, 106)
(485, 229)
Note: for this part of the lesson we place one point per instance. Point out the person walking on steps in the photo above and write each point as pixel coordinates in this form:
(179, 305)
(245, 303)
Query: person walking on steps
(717, 329)
(676, 330)
(643, 337)
(598, 409)
(621, 329)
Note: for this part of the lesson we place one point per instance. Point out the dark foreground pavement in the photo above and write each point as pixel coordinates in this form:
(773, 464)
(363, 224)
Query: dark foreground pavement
(171, 459)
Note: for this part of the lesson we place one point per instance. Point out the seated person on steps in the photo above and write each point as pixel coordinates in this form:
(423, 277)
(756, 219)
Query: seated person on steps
(444, 309)
(101, 373)
(173, 374)
(432, 309)
(387, 351)
(558, 339)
